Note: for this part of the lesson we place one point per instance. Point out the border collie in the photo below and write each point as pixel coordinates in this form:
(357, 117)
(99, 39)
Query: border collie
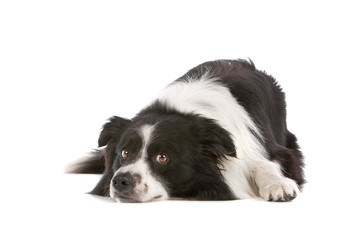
(217, 133)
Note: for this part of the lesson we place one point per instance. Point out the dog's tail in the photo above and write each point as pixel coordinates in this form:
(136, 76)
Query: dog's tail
(95, 164)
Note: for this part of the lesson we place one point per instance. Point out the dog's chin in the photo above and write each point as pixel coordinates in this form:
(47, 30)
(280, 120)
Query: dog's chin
(127, 200)
(135, 200)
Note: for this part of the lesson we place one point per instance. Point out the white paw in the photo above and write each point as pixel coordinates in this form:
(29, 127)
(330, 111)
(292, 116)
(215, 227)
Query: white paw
(279, 190)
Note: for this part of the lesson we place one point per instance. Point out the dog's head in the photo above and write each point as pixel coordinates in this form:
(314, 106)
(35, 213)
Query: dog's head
(160, 156)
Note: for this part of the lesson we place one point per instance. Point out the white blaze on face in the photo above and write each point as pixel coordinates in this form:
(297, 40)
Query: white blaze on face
(148, 187)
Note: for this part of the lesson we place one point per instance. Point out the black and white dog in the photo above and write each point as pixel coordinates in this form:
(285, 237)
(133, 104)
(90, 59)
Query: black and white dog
(217, 133)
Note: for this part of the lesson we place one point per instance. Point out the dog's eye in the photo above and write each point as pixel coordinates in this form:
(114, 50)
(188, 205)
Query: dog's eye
(124, 154)
(162, 158)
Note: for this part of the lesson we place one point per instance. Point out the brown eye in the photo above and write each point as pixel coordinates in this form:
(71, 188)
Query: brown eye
(124, 153)
(162, 158)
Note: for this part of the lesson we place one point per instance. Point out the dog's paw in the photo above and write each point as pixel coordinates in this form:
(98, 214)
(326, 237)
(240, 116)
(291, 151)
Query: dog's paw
(281, 190)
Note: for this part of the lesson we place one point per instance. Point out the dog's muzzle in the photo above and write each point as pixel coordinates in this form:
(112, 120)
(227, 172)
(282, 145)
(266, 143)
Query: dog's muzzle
(136, 183)
(124, 186)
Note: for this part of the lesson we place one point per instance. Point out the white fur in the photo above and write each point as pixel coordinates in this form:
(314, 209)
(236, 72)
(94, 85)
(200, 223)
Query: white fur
(210, 99)
(272, 184)
(149, 188)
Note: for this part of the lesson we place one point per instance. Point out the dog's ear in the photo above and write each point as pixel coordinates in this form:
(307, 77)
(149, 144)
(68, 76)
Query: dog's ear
(215, 140)
(113, 130)
(109, 137)
(216, 144)
(99, 160)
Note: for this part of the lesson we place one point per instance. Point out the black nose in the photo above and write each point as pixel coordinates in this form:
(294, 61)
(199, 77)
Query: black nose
(123, 181)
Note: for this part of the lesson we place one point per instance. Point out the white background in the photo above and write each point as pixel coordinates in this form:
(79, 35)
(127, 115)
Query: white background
(66, 66)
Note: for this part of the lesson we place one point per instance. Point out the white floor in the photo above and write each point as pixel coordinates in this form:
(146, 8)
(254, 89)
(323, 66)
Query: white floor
(66, 66)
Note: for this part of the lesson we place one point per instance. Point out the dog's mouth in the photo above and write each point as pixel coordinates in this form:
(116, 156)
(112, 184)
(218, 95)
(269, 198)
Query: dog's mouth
(126, 199)
(156, 198)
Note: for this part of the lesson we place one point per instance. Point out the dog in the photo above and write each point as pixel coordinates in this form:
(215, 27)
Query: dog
(217, 133)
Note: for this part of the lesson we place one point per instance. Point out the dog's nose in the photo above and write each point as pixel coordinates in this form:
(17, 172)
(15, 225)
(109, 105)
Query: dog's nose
(123, 181)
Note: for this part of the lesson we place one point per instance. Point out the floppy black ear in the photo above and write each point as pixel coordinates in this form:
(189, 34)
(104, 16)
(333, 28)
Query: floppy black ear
(98, 160)
(216, 144)
(101, 161)
(109, 137)
(113, 130)
(215, 140)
